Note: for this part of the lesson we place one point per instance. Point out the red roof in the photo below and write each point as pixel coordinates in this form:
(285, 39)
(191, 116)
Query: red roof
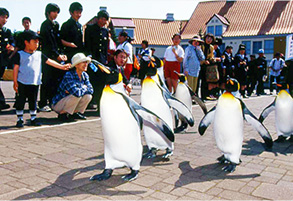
(221, 18)
(247, 18)
(155, 31)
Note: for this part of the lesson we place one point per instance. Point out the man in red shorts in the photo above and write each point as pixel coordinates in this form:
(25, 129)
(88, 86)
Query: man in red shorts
(174, 55)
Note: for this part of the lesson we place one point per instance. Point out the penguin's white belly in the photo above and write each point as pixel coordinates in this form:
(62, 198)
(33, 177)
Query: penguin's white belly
(228, 128)
(152, 99)
(284, 116)
(182, 94)
(121, 133)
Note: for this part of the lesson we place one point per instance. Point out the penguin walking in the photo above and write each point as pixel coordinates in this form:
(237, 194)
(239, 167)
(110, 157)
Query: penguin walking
(228, 117)
(122, 119)
(185, 94)
(283, 106)
(157, 98)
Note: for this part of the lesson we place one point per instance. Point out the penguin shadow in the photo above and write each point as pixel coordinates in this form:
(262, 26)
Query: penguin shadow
(205, 173)
(91, 113)
(186, 133)
(76, 182)
(8, 112)
(253, 147)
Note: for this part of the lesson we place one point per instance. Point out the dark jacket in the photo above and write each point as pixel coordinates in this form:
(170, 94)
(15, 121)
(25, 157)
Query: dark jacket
(261, 64)
(96, 42)
(5, 39)
(228, 64)
(71, 31)
(252, 69)
(50, 39)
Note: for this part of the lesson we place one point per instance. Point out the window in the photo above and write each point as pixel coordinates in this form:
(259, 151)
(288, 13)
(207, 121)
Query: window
(129, 31)
(219, 30)
(211, 29)
(256, 46)
(269, 46)
(248, 46)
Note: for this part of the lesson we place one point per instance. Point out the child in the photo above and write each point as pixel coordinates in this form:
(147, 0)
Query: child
(27, 76)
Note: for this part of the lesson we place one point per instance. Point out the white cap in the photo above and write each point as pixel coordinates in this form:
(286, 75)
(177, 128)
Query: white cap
(79, 58)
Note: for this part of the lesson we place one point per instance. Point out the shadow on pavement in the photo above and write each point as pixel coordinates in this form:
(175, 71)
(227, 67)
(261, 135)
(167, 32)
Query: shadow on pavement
(76, 182)
(253, 147)
(205, 173)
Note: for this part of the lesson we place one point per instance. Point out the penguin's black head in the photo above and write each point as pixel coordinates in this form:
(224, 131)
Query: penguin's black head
(181, 76)
(151, 69)
(111, 74)
(113, 77)
(232, 85)
(282, 83)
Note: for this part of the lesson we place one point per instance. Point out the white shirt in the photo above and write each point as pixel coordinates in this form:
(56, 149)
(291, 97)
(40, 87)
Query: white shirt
(127, 47)
(30, 68)
(112, 45)
(147, 54)
(170, 56)
(277, 65)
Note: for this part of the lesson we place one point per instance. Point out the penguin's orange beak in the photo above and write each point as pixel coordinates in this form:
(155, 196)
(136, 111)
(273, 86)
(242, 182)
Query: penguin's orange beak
(104, 69)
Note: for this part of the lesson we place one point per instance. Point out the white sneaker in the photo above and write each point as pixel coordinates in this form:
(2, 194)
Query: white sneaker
(45, 109)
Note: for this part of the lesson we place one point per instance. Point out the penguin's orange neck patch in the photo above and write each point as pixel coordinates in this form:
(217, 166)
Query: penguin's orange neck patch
(228, 95)
(120, 78)
(108, 89)
(283, 93)
(148, 79)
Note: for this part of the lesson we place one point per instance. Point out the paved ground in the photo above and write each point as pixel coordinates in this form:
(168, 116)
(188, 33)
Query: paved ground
(56, 160)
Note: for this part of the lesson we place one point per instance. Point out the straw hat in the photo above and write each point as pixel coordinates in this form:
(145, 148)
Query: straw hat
(79, 58)
(195, 38)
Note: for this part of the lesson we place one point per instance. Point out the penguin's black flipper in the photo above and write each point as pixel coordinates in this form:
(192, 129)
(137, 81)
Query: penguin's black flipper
(163, 85)
(177, 105)
(206, 121)
(267, 111)
(142, 114)
(198, 100)
(261, 129)
(176, 118)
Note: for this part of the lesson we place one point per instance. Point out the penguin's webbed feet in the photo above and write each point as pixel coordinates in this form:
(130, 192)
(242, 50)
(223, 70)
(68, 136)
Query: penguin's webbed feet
(222, 159)
(129, 177)
(281, 139)
(104, 176)
(181, 128)
(230, 168)
(168, 153)
(152, 153)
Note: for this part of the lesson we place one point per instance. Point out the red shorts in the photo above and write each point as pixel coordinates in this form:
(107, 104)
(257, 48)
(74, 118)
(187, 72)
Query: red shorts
(170, 67)
(128, 70)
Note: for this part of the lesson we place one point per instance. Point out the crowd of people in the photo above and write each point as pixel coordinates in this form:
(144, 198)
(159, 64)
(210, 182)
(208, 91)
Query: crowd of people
(206, 65)
(57, 66)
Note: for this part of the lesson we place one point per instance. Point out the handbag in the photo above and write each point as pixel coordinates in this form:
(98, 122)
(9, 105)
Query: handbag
(212, 73)
(8, 75)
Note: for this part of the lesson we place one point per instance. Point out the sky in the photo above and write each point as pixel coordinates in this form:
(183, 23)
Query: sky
(154, 9)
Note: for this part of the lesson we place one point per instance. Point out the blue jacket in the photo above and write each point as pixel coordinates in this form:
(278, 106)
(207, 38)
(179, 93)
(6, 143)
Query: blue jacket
(73, 85)
(192, 59)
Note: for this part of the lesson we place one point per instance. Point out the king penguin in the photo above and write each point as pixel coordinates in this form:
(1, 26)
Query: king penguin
(228, 117)
(156, 97)
(283, 106)
(185, 94)
(122, 119)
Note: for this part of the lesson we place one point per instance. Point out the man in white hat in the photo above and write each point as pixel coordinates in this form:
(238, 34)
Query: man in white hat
(74, 92)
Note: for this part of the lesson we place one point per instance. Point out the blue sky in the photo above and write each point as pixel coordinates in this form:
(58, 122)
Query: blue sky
(155, 9)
